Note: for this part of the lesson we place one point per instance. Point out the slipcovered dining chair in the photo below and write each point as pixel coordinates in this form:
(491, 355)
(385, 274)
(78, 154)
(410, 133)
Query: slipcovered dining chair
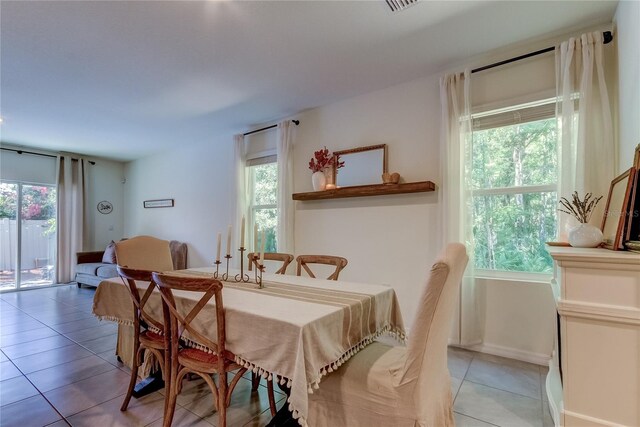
(400, 386)
(137, 258)
(286, 259)
(303, 261)
(178, 319)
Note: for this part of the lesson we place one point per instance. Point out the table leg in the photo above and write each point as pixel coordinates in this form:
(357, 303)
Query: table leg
(153, 382)
(283, 417)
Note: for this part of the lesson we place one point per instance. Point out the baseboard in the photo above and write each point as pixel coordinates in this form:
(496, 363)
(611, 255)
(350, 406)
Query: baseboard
(576, 419)
(512, 353)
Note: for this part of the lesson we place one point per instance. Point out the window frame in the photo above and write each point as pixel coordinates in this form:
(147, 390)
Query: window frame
(259, 159)
(20, 287)
(548, 107)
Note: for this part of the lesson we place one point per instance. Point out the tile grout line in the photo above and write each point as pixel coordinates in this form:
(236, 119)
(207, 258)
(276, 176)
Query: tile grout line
(478, 419)
(496, 388)
(74, 343)
(40, 393)
(505, 391)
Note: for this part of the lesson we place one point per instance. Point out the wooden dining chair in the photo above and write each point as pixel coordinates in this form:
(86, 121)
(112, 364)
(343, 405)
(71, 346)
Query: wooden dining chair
(137, 258)
(303, 261)
(144, 338)
(397, 385)
(286, 259)
(183, 359)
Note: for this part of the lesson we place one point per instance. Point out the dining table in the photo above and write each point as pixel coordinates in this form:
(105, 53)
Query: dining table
(292, 329)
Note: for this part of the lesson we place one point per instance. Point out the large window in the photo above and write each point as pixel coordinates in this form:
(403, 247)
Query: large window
(514, 183)
(263, 208)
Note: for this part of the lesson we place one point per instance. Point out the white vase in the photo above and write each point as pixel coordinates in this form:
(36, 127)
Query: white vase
(585, 236)
(319, 181)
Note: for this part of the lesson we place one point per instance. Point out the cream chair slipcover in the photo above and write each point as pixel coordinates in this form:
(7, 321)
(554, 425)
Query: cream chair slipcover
(142, 253)
(400, 386)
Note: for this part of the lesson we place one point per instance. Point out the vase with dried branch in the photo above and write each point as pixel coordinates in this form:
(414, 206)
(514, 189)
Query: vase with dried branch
(584, 235)
(322, 161)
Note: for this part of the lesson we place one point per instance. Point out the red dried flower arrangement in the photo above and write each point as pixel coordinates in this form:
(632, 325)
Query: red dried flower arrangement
(322, 159)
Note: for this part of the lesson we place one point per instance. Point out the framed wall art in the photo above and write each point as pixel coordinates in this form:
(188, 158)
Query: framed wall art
(158, 203)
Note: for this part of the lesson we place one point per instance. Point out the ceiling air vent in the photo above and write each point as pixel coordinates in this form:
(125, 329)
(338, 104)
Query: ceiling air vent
(398, 5)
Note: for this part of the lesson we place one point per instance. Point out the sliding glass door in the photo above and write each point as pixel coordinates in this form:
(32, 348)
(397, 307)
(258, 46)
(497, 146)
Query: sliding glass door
(27, 235)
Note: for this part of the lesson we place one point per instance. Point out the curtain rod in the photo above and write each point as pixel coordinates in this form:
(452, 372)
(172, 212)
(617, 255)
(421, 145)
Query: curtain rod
(606, 36)
(37, 154)
(295, 122)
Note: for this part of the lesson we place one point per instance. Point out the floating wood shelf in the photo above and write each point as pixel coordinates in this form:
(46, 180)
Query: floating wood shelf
(367, 190)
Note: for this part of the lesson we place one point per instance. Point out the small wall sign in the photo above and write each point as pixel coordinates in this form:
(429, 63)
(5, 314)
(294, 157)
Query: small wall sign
(159, 203)
(105, 207)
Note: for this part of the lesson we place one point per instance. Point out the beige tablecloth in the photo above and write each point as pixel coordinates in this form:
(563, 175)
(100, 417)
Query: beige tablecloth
(294, 330)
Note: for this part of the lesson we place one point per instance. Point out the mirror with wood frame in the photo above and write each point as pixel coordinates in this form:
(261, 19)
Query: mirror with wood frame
(362, 166)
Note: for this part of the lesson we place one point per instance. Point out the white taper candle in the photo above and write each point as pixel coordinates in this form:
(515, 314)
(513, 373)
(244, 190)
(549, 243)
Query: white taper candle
(219, 244)
(242, 233)
(264, 241)
(255, 238)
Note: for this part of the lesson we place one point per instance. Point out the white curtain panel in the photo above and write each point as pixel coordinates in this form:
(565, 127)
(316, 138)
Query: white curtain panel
(286, 212)
(72, 183)
(456, 198)
(586, 146)
(241, 194)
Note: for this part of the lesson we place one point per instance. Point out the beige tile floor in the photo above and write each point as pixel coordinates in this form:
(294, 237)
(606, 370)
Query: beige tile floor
(57, 368)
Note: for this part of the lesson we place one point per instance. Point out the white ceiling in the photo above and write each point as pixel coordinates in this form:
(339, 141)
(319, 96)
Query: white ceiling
(125, 79)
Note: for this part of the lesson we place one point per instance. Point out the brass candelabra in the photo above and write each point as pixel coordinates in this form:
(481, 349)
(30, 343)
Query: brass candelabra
(242, 276)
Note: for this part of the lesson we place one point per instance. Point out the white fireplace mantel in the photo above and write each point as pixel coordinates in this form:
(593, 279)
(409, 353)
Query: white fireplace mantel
(597, 294)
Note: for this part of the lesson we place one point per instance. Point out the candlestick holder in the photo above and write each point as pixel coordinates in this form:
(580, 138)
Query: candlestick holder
(258, 274)
(242, 276)
(225, 275)
(217, 263)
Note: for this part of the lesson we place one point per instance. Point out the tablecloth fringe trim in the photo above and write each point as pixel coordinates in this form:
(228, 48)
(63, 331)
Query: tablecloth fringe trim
(193, 344)
(114, 319)
(397, 333)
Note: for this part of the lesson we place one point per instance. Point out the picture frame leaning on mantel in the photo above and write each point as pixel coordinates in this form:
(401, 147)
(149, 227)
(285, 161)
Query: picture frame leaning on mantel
(631, 239)
(616, 212)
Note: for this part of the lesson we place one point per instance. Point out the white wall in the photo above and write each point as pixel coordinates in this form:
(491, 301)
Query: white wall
(105, 183)
(387, 239)
(199, 179)
(519, 319)
(627, 35)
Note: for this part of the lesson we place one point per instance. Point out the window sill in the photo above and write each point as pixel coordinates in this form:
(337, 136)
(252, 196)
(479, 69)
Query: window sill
(514, 276)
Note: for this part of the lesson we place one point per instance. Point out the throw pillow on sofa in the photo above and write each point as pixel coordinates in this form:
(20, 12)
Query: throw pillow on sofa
(109, 256)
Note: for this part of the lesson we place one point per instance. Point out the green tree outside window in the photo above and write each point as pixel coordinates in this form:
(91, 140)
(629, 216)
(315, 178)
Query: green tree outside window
(513, 175)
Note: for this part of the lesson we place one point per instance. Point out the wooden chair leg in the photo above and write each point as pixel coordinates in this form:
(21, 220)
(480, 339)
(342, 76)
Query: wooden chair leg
(134, 374)
(255, 382)
(272, 400)
(166, 376)
(171, 397)
(222, 399)
(170, 408)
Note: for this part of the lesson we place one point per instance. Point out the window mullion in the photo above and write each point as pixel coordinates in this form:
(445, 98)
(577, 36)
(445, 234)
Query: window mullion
(515, 190)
